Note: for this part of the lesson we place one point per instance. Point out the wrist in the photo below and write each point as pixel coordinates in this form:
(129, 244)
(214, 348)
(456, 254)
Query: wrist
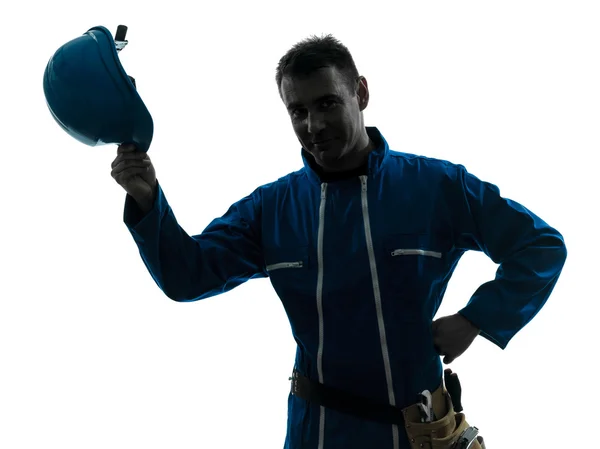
(470, 324)
(146, 204)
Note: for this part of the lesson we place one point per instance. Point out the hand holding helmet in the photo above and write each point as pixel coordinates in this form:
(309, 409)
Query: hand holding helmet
(133, 170)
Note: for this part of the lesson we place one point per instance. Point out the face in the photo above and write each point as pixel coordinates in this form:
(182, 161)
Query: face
(327, 117)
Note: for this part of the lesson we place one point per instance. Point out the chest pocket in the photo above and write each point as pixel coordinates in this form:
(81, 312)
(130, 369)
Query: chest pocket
(288, 268)
(415, 262)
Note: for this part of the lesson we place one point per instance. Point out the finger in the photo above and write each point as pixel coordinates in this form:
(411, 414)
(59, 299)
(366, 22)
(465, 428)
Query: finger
(126, 148)
(133, 166)
(129, 156)
(121, 164)
(129, 165)
(124, 177)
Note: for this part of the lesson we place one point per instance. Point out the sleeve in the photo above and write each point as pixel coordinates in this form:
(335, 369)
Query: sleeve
(189, 268)
(530, 254)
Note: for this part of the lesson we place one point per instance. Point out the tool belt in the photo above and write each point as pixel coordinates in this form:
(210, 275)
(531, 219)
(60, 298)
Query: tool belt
(449, 430)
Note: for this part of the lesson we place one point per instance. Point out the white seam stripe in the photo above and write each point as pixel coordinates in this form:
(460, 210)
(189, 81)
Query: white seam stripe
(377, 294)
(320, 307)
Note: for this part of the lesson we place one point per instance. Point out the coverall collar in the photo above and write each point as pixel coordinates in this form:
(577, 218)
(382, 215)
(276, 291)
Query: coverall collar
(376, 159)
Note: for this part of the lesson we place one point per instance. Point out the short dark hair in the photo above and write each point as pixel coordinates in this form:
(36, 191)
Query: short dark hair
(314, 53)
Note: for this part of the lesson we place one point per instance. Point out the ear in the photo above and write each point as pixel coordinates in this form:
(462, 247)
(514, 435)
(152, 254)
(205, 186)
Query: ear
(362, 93)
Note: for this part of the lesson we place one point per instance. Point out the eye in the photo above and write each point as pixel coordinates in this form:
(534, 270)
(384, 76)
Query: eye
(328, 104)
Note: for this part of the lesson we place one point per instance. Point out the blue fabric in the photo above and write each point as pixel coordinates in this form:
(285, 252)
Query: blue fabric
(414, 202)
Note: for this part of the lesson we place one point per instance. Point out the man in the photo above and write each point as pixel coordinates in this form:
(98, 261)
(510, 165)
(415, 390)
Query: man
(359, 245)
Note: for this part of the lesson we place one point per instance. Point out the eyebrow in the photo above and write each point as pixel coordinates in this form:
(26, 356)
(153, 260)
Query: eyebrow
(318, 100)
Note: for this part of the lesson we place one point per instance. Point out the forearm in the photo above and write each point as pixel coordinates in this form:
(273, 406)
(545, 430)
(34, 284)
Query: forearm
(189, 268)
(523, 284)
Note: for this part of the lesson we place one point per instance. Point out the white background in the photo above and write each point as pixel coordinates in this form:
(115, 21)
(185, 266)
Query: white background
(94, 355)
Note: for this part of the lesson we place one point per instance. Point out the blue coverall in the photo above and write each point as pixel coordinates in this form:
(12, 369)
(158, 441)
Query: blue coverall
(361, 266)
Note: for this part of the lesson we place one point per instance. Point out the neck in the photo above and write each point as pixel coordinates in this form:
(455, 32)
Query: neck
(360, 157)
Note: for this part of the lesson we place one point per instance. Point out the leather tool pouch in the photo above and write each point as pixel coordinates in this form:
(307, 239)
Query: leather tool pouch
(442, 433)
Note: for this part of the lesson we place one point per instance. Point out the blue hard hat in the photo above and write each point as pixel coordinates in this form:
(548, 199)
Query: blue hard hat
(91, 97)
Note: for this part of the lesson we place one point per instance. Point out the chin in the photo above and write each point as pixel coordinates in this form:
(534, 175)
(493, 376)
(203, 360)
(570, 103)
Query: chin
(332, 162)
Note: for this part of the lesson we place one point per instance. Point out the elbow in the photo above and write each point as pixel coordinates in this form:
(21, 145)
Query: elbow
(561, 247)
(177, 295)
(172, 295)
(181, 289)
(559, 250)
(551, 253)
(564, 252)
(181, 295)
(182, 298)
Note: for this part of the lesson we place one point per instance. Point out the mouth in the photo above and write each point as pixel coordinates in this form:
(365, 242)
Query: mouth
(322, 142)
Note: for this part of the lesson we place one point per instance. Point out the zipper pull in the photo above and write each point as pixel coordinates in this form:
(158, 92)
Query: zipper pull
(323, 190)
(363, 181)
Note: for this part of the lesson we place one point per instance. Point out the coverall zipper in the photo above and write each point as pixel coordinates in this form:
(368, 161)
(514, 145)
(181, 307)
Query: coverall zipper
(377, 294)
(320, 306)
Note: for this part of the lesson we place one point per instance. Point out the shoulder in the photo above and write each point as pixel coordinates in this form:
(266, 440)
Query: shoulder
(274, 188)
(424, 165)
(283, 182)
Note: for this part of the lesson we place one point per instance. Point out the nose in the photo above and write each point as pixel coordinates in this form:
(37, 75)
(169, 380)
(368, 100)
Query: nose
(316, 123)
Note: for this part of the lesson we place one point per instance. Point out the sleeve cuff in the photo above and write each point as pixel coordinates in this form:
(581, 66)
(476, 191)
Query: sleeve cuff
(134, 217)
(500, 343)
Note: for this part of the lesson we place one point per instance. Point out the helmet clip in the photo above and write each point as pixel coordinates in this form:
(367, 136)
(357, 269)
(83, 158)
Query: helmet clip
(120, 41)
